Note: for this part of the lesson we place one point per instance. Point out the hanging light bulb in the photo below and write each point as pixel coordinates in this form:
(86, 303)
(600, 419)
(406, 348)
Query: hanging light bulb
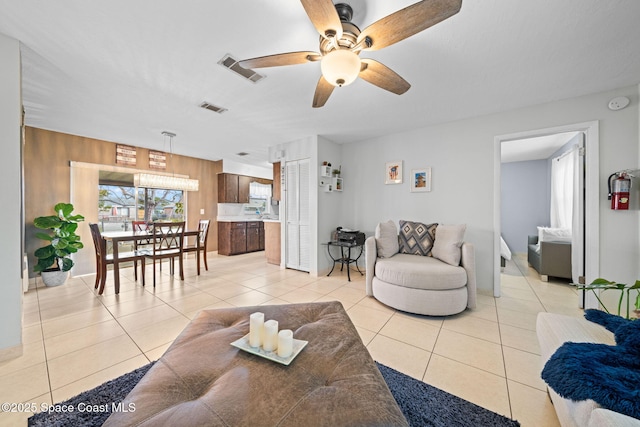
(340, 67)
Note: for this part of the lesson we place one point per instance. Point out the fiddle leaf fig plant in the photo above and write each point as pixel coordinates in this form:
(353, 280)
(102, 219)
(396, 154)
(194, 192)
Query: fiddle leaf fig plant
(61, 237)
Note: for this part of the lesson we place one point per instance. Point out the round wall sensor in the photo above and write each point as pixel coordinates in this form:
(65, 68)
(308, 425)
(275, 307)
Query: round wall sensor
(618, 103)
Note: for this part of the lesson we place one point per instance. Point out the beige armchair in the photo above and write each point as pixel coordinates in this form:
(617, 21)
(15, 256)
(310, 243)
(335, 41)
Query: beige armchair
(422, 284)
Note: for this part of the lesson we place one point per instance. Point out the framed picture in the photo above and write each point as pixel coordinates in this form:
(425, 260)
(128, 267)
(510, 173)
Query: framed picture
(420, 180)
(393, 172)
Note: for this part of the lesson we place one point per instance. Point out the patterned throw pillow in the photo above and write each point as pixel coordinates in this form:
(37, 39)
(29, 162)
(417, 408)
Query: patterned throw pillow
(416, 238)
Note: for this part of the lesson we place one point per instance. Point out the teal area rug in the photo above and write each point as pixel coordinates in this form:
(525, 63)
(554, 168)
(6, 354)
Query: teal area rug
(421, 404)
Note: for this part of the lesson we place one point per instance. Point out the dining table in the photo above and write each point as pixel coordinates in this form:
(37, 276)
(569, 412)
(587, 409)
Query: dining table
(116, 237)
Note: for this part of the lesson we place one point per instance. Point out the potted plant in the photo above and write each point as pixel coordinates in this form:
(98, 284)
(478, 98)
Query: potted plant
(54, 259)
(601, 284)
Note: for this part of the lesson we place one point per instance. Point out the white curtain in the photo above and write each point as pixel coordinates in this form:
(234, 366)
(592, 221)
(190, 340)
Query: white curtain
(566, 209)
(563, 183)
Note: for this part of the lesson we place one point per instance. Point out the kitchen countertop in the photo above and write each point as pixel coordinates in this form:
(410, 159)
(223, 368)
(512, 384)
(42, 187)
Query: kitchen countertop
(244, 218)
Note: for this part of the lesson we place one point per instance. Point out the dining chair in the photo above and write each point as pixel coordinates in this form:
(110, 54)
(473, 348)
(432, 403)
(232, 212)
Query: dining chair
(103, 259)
(167, 242)
(141, 227)
(203, 228)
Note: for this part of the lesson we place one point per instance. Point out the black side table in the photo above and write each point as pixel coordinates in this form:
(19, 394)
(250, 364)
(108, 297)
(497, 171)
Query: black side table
(345, 257)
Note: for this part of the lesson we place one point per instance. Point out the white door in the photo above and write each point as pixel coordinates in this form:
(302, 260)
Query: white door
(297, 207)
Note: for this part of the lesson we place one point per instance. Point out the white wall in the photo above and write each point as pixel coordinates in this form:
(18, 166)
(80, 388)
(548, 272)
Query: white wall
(10, 164)
(230, 166)
(461, 155)
(525, 203)
(329, 204)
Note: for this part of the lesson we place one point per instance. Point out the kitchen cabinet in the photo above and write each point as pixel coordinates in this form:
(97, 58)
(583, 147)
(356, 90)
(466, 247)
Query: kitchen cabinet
(277, 181)
(240, 237)
(233, 188)
(243, 188)
(227, 188)
(261, 234)
(255, 236)
(272, 242)
(232, 238)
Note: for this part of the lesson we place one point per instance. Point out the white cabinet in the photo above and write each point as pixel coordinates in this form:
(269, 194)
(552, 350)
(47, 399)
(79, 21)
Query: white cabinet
(325, 171)
(337, 184)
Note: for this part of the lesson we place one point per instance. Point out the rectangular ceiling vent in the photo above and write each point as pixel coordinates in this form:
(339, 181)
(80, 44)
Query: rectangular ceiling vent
(231, 63)
(213, 108)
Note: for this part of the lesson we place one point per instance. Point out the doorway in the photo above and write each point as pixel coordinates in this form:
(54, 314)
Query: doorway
(591, 198)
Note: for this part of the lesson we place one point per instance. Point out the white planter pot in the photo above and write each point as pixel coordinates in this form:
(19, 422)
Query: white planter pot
(54, 277)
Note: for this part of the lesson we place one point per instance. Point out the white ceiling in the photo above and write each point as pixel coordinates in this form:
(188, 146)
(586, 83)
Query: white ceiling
(536, 148)
(125, 71)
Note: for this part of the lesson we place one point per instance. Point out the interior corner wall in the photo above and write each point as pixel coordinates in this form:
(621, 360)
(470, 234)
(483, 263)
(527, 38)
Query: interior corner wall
(525, 195)
(329, 203)
(461, 155)
(10, 164)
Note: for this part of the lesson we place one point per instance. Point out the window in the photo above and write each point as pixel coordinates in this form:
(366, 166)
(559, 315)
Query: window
(118, 204)
(160, 205)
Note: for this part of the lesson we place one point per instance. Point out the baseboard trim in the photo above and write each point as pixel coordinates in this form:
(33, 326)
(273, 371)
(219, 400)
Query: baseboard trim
(10, 352)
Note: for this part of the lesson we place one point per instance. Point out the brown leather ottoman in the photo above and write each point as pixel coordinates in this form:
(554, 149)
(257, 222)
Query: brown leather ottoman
(202, 380)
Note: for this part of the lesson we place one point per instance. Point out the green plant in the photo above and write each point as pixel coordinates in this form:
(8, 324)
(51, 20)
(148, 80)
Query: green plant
(63, 240)
(601, 284)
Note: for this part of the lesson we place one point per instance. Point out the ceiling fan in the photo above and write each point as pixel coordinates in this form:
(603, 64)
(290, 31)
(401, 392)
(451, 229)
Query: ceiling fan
(341, 42)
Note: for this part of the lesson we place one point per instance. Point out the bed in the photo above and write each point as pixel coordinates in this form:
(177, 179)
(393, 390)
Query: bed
(505, 253)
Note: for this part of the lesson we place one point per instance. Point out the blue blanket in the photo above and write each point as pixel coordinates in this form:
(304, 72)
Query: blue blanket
(609, 375)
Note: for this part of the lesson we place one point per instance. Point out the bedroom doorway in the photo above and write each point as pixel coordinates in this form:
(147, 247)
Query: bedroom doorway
(585, 259)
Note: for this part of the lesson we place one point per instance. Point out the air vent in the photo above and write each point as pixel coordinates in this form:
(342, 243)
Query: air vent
(231, 63)
(213, 108)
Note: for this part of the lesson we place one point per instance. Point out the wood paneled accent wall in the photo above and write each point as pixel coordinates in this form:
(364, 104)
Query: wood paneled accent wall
(47, 179)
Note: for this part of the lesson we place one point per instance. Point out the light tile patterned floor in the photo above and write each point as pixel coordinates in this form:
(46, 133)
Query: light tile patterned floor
(75, 340)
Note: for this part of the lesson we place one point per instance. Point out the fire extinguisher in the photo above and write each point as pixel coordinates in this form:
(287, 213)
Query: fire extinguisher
(619, 190)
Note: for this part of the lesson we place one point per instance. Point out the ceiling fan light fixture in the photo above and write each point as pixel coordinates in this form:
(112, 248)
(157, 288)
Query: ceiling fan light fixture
(340, 67)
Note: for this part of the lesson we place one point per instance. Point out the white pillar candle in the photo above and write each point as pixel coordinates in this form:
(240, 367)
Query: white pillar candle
(285, 343)
(270, 337)
(256, 322)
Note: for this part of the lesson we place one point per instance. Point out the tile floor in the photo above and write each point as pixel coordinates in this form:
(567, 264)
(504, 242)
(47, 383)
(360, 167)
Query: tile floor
(75, 340)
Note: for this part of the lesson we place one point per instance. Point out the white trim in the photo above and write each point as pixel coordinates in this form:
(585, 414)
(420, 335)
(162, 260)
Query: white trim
(592, 191)
(10, 353)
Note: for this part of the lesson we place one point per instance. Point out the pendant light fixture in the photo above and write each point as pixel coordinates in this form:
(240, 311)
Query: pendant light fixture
(171, 182)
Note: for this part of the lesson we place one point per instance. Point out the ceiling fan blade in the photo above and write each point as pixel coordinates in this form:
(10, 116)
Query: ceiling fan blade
(382, 76)
(323, 92)
(408, 21)
(324, 17)
(290, 58)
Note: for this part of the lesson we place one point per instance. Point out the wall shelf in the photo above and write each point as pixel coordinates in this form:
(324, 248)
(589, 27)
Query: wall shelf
(328, 181)
(337, 184)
